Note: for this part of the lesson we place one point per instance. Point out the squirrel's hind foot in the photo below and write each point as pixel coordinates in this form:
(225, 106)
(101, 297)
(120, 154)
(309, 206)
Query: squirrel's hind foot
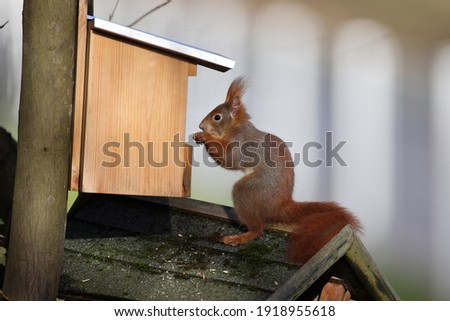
(237, 239)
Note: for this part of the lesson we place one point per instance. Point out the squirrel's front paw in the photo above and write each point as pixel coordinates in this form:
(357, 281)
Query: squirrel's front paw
(199, 137)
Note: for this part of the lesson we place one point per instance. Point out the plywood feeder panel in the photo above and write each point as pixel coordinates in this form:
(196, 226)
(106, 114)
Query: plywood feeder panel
(133, 113)
(133, 134)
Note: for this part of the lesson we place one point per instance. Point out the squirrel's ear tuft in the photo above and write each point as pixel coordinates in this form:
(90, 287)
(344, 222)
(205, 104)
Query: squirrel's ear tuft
(235, 93)
(236, 89)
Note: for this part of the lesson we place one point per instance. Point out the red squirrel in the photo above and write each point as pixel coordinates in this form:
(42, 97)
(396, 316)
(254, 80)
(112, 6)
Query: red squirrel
(264, 193)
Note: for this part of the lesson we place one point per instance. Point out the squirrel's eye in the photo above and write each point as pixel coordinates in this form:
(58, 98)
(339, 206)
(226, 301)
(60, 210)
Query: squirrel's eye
(217, 117)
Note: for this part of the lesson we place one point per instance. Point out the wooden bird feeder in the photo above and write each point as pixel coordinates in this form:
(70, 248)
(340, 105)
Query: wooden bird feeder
(130, 110)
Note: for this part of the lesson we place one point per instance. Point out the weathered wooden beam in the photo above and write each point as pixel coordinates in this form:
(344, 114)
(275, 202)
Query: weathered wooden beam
(221, 212)
(315, 267)
(368, 272)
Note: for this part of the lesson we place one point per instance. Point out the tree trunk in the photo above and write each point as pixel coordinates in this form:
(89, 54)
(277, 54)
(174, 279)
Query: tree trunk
(34, 258)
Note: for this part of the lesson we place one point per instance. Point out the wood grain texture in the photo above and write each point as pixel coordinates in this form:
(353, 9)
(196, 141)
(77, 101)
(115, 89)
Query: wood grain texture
(135, 117)
(368, 272)
(77, 115)
(335, 290)
(315, 267)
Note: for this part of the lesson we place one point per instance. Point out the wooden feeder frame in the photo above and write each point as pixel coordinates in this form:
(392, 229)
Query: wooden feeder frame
(130, 110)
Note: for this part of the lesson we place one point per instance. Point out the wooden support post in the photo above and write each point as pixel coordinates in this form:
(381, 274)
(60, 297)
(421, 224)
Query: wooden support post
(34, 258)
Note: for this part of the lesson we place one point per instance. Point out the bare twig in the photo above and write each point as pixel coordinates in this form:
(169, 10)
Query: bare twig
(114, 10)
(150, 12)
(1, 27)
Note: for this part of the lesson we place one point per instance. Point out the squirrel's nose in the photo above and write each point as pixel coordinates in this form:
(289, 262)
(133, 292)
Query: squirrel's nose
(202, 126)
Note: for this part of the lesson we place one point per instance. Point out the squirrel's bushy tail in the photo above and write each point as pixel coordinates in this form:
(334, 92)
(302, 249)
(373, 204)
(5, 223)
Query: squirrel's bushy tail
(316, 223)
